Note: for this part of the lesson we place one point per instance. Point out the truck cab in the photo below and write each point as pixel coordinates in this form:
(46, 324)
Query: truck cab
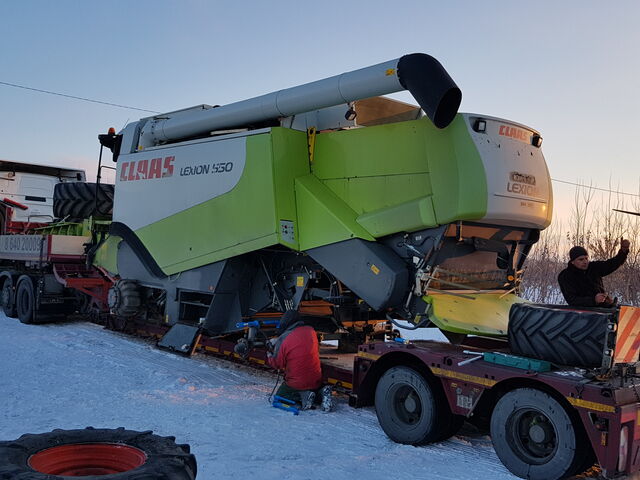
(26, 193)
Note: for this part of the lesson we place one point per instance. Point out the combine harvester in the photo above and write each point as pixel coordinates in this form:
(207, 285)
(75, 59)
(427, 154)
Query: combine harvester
(365, 216)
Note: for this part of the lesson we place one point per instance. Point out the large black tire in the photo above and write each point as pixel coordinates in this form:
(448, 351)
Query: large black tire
(562, 336)
(411, 410)
(24, 459)
(125, 298)
(535, 437)
(25, 300)
(77, 200)
(8, 299)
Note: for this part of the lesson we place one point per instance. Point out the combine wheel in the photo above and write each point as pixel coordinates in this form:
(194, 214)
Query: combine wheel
(565, 337)
(96, 454)
(77, 200)
(411, 410)
(535, 438)
(125, 298)
(25, 300)
(8, 299)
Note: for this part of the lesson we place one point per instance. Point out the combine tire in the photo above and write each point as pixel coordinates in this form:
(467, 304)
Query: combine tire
(96, 454)
(410, 410)
(535, 438)
(77, 200)
(8, 299)
(565, 337)
(25, 300)
(125, 298)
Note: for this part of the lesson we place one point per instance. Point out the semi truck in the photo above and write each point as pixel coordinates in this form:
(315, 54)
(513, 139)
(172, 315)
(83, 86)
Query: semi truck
(368, 215)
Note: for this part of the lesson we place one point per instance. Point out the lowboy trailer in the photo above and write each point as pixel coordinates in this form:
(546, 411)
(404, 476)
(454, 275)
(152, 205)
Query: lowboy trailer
(546, 420)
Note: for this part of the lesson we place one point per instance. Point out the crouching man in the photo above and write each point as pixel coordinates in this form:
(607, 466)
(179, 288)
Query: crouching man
(296, 351)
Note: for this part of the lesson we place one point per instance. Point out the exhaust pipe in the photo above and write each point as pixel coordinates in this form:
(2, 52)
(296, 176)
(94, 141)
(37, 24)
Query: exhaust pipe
(422, 75)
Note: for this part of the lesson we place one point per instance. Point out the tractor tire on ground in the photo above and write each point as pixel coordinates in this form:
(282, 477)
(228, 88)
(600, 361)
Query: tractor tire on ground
(535, 437)
(77, 200)
(25, 300)
(411, 410)
(8, 299)
(561, 336)
(96, 454)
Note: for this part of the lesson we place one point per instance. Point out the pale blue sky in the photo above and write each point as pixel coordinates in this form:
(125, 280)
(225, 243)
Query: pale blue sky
(570, 69)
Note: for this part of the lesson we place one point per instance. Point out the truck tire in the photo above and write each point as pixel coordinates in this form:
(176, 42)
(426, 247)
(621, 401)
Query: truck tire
(77, 200)
(25, 300)
(562, 336)
(411, 411)
(535, 437)
(8, 299)
(96, 454)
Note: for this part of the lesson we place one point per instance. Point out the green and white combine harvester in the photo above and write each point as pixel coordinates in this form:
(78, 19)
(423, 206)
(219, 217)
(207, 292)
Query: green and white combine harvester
(327, 192)
(324, 197)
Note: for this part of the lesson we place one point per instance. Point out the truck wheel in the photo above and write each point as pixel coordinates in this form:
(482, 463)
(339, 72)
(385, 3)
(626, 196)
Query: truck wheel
(7, 299)
(410, 410)
(534, 436)
(94, 454)
(25, 300)
(77, 200)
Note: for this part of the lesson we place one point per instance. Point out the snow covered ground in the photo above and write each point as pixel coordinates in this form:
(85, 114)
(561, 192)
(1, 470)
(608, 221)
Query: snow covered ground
(75, 374)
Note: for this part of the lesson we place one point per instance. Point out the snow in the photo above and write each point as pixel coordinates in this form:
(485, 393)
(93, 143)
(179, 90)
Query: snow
(76, 374)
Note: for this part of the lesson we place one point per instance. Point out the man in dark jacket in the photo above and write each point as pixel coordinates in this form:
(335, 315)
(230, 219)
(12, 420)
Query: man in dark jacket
(581, 281)
(296, 351)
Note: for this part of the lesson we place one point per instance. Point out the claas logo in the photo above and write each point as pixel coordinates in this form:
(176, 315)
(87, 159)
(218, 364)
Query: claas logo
(513, 132)
(147, 169)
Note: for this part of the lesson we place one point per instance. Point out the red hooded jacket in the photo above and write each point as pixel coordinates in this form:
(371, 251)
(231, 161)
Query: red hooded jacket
(297, 352)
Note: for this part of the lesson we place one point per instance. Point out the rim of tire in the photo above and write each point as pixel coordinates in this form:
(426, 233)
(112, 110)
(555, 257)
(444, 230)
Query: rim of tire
(532, 435)
(407, 407)
(100, 453)
(79, 460)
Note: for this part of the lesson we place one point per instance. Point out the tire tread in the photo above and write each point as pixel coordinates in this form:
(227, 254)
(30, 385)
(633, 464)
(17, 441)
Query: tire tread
(565, 337)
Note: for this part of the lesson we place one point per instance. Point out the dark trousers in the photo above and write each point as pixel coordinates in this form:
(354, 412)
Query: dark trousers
(293, 394)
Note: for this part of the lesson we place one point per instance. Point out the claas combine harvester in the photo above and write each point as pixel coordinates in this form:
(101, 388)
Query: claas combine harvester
(367, 215)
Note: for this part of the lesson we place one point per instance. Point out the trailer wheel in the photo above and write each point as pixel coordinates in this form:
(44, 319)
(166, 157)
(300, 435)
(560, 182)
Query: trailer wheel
(94, 454)
(25, 300)
(535, 437)
(410, 410)
(7, 299)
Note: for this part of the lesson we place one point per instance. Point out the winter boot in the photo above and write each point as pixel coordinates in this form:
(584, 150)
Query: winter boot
(307, 397)
(326, 398)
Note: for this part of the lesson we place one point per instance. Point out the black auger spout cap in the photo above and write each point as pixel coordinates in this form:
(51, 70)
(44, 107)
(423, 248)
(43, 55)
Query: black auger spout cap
(431, 86)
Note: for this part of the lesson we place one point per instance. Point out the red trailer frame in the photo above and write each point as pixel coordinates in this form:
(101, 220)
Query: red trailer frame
(604, 407)
(606, 410)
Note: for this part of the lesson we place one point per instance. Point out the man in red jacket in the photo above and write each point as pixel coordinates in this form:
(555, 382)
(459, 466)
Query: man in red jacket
(296, 351)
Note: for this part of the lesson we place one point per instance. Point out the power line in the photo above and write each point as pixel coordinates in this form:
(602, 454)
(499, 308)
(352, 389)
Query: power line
(595, 188)
(154, 111)
(76, 98)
